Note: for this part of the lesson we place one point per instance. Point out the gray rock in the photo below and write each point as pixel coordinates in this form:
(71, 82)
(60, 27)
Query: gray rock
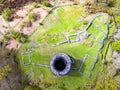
(116, 35)
(5, 85)
(116, 63)
(117, 78)
(112, 70)
(116, 60)
(115, 55)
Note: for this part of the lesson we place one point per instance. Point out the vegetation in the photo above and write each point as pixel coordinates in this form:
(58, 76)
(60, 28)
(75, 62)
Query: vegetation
(5, 39)
(57, 25)
(64, 22)
(107, 84)
(32, 17)
(46, 3)
(95, 8)
(18, 36)
(116, 45)
(76, 1)
(109, 3)
(6, 14)
(5, 70)
(15, 35)
(1, 1)
(118, 20)
(26, 23)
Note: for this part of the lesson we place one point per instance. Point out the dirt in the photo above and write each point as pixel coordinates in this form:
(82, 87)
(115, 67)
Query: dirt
(13, 44)
(12, 81)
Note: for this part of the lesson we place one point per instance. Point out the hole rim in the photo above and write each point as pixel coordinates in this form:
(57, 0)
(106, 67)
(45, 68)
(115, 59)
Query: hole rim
(68, 61)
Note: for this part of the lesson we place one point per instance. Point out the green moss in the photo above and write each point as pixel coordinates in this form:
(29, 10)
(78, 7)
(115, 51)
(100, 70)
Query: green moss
(32, 16)
(18, 36)
(6, 14)
(64, 20)
(46, 3)
(116, 45)
(118, 20)
(5, 70)
(107, 84)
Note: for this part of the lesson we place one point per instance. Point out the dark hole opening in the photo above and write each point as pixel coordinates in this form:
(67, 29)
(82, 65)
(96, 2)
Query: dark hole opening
(60, 64)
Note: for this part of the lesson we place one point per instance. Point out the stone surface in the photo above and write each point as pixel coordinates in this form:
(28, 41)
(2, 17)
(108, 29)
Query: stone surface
(116, 59)
(115, 54)
(116, 35)
(116, 63)
(117, 78)
(112, 70)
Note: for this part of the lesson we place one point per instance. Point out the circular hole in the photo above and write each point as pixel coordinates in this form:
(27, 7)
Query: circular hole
(60, 64)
